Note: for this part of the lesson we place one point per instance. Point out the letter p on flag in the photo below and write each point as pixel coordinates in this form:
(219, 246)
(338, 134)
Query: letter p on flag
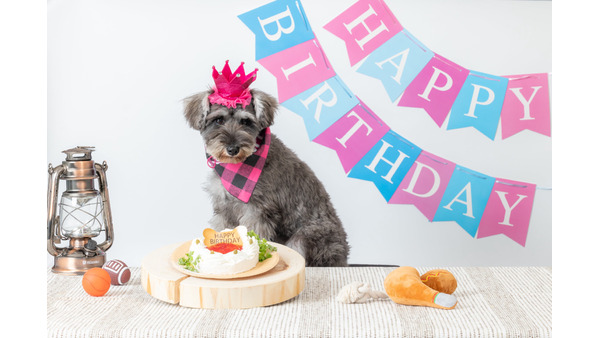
(277, 25)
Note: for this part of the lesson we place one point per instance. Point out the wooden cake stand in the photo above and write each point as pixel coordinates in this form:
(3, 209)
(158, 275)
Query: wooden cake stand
(162, 281)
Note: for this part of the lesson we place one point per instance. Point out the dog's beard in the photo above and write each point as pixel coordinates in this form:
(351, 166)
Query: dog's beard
(218, 151)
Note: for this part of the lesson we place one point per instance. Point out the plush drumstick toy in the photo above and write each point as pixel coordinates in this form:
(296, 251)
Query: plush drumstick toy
(404, 286)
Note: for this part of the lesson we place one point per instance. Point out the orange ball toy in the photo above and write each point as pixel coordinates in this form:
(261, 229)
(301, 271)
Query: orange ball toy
(96, 282)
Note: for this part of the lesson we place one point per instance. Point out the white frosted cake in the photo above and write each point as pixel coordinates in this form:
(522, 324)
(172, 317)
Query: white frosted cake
(226, 252)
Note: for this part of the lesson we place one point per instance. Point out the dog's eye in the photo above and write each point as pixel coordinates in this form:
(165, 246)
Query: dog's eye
(218, 121)
(246, 122)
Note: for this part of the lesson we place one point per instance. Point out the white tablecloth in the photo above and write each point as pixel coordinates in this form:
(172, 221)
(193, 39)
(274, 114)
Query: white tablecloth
(492, 302)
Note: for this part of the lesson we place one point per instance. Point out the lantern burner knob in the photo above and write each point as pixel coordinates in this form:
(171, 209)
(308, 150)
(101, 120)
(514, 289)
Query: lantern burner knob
(79, 153)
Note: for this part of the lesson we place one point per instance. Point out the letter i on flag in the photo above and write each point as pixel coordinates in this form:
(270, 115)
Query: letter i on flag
(425, 183)
(465, 199)
(508, 211)
(353, 135)
(527, 105)
(479, 103)
(435, 88)
(277, 25)
(387, 163)
(364, 27)
(298, 68)
(397, 62)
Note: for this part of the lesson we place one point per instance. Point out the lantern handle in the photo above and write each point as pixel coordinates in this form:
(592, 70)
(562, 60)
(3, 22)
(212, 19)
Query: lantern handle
(52, 221)
(103, 186)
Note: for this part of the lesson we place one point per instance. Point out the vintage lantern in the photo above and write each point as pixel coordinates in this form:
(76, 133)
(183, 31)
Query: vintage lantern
(81, 214)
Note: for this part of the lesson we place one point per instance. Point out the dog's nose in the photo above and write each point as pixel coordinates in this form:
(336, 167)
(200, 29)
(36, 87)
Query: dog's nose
(233, 150)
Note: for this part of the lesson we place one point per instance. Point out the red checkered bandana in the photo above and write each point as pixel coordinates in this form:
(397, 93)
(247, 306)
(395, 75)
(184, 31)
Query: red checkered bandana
(241, 178)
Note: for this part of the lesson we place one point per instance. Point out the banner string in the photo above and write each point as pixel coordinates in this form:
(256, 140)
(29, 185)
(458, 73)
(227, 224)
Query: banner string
(472, 174)
(434, 159)
(301, 10)
(348, 92)
(375, 117)
(396, 135)
(449, 63)
(483, 77)
(389, 12)
(322, 54)
(417, 43)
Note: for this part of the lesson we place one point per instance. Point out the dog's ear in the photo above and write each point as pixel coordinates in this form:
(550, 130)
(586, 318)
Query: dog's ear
(196, 108)
(265, 107)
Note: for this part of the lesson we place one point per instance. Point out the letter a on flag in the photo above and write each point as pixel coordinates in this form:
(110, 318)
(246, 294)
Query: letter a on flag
(465, 199)
(397, 62)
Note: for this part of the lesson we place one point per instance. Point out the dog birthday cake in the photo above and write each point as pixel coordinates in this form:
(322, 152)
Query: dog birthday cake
(227, 252)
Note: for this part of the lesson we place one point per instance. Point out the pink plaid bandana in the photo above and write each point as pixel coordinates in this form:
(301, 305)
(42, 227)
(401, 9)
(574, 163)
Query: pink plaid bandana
(241, 178)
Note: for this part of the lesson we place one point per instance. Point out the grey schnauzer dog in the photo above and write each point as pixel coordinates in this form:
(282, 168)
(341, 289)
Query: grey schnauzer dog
(289, 205)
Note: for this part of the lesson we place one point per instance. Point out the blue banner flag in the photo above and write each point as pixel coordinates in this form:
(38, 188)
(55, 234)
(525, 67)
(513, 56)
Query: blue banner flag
(465, 199)
(387, 163)
(322, 105)
(277, 25)
(397, 62)
(479, 103)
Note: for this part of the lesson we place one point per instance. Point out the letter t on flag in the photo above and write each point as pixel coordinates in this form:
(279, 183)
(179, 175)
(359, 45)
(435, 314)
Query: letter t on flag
(508, 211)
(364, 26)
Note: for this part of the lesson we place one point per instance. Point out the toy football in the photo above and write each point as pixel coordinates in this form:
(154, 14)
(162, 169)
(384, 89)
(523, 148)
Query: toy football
(118, 271)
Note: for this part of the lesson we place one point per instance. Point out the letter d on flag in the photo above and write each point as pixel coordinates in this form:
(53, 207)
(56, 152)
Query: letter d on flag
(425, 183)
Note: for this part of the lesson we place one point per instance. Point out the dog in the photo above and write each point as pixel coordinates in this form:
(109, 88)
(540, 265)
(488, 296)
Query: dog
(288, 205)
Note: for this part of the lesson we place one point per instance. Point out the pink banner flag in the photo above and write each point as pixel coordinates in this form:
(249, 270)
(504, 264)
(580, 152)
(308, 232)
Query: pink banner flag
(435, 88)
(526, 105)
(508, 211)
(425, 183)
(298, 68)
(353, 135)
(364, 26)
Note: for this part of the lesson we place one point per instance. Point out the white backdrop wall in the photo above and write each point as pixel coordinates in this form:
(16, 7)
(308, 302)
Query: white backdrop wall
(119, 69)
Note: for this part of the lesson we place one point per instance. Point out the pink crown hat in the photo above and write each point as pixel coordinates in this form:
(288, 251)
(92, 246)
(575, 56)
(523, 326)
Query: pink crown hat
(232, 88)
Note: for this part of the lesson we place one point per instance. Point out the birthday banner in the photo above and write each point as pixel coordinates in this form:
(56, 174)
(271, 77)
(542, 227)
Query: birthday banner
(424, 79)
(367, 148)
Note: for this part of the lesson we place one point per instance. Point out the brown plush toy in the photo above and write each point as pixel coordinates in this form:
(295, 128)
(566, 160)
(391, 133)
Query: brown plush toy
(404, 286)
(434, 288)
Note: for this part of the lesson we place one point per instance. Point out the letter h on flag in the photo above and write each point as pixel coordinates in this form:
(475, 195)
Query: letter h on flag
(387, 163)
(364, 26)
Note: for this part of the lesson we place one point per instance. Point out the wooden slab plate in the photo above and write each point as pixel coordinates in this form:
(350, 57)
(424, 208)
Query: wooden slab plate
(261, 267)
